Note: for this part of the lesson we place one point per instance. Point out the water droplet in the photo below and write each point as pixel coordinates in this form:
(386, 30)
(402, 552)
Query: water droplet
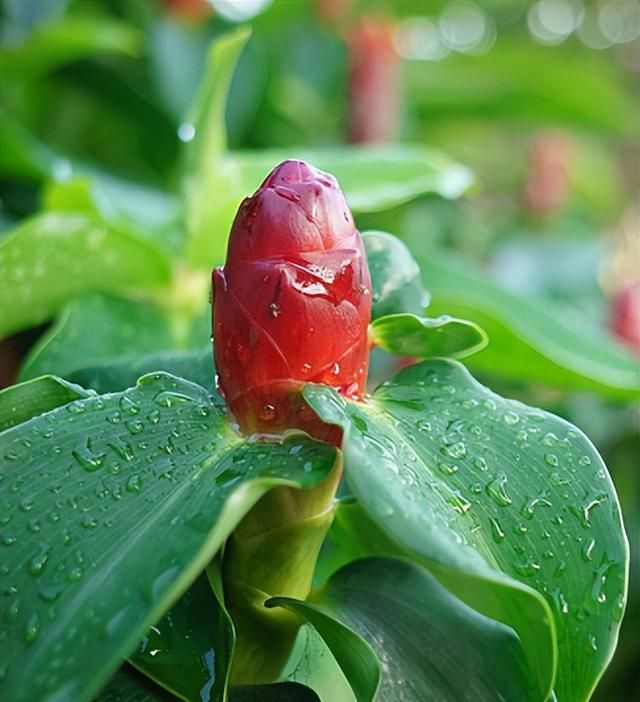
(128, 406)
(134, 426)
(423, 425)
(154, 416)
(557, 479)
(559, 602)
(74, 575)
(267, 413)
(584, 511)
(480, 463)
(448, 469)
(134, 484)
(459, 502)
(584, 461)
(532, 504)
(50, 593)
(551, 459)
(77, 407)
(88, 460)
(587, 550)
(168, 398)
(456, 450)
(26, 504)
(489, 404)
(32, 628)
(39, 561)
(527, 568)
(593, 644)
(496, 530)
(11, 456)
(497, 490)
(8, 539)
(511, 417)
(114, 417)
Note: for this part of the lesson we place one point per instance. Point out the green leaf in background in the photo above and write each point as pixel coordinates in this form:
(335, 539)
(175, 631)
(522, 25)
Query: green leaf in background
(116, 503)
(19, 403)
(408, 335)
(588, 91)
(372, 179)
(120, 331)
(52, 257)
(529, 341)
(196, 366)
(207, 192)
(56, 43)
(502, 501)
(395, 276)
(432, 646)
(140, 209)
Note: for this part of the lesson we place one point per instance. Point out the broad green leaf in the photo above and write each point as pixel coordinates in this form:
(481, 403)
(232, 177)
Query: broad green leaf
(189, 650)
(431, 645)
(120, 330)
(21, 402)
(52, 257)
(313, 665)
(196, 366)
(408, 335)
(56, 43)
(128, 686)
(372, 179)
(354, 655)
(511, 507)
(115, 504)
(529, 341)
(125, 205)
(206, 191)
(395, 276)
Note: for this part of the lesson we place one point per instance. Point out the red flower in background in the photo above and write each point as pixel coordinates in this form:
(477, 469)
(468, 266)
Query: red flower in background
(625, 318)
(374, 82)
(292, 304)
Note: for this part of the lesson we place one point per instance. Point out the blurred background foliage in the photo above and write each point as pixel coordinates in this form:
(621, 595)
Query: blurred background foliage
(539, 99)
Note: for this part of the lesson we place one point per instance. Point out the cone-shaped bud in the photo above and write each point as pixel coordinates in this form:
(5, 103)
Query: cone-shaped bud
(292, 304)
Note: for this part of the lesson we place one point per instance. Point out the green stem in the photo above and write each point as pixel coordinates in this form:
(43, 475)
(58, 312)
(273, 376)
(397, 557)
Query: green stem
(273, 551)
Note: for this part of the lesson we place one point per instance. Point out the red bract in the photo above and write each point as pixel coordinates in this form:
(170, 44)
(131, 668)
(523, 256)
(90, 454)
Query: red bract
(292, 304)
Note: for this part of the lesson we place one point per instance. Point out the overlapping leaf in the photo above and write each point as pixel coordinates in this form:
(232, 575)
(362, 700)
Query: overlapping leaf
(113, 506)
(431, 646)
(511, 507)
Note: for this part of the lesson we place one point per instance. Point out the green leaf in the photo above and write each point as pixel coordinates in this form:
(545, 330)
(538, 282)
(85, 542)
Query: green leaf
(372, 179)
(354, 655)
(56, 43)
(21, 402)
(395, 275)
(507, 504)
(116, 503)
(121, 330)
(529, 341)
(432, 645)
(408, 335)
(140, 209)
(52, 257)
(206, 191)
(313, 665)
(189, 650)
(196, 366)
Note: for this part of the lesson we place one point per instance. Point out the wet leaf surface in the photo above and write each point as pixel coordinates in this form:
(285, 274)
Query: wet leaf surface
(110, 507)
(510, 506)
(430, 645)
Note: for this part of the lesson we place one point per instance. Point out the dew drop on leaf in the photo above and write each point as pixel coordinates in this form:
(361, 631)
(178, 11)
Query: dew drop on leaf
(497, 490)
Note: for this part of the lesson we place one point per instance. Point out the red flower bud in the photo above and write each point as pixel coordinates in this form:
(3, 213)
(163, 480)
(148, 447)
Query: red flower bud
(292, 304)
